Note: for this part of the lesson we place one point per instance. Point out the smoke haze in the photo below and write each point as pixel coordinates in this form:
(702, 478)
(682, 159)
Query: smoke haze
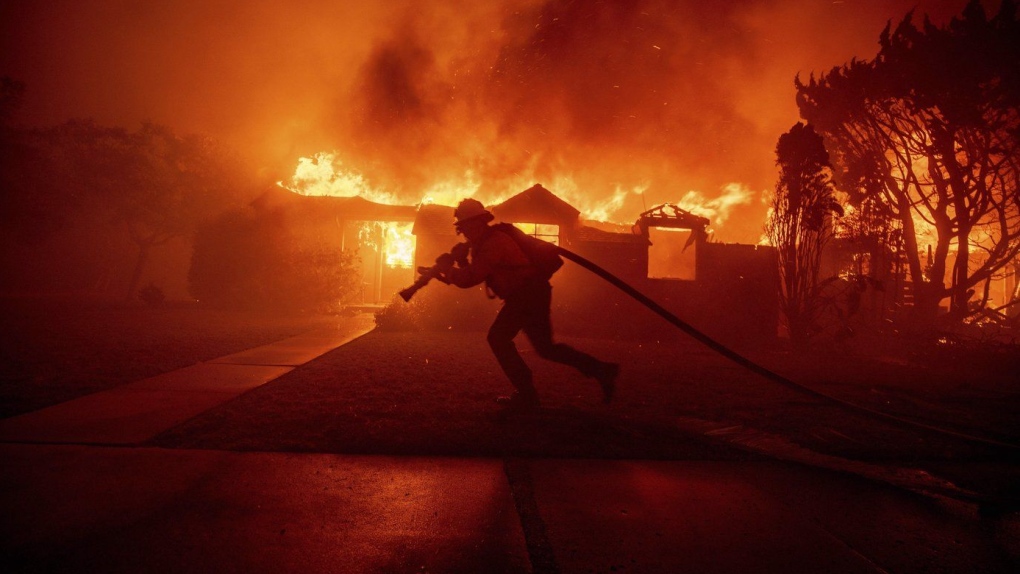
(616, 105)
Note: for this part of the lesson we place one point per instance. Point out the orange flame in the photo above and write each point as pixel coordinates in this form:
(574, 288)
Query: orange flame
(324, 174)
(399, 245)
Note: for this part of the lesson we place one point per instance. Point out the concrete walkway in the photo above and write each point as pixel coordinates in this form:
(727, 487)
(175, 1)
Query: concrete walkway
(79, 494)
(132, 414)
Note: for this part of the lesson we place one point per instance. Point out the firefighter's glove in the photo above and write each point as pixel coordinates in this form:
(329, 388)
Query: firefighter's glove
(460, 253)
(444, 262)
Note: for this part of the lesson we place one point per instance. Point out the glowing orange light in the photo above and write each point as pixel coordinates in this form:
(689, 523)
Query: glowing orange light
(325, 174)
(399, 245)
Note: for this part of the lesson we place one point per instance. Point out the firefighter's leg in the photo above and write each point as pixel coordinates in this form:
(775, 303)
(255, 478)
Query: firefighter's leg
(501, 339)
(538, 328)
(539, 331)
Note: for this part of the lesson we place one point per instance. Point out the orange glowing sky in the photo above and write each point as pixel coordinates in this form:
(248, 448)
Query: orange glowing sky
(667, 97)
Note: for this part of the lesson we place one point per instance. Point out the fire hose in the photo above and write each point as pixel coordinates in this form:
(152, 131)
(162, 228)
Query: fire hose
(425, 275)
(429, 273)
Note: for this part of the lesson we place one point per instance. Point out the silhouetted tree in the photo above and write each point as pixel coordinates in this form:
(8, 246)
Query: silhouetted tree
(155, 184)
(798, 225)
(172, 185)
(1012, 307)
(929, 131)
(81, 196)
(35, 194)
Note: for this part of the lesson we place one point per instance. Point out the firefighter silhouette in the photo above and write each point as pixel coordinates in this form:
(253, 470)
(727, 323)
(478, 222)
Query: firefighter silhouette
(494, 257)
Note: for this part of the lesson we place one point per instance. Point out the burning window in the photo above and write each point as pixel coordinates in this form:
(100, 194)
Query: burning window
(399, 245)
(672, 253)
(545, 232)
(394, 241)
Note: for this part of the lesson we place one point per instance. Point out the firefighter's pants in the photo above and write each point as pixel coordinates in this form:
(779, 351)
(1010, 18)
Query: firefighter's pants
(528, 309)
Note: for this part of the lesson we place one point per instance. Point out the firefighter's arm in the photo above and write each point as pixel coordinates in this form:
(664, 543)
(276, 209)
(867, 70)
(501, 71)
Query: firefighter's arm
(472, 273)
(433, 273)
(460, 253)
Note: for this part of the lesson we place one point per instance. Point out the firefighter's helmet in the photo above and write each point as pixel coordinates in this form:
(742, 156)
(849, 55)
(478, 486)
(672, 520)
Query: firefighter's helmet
(471, 210)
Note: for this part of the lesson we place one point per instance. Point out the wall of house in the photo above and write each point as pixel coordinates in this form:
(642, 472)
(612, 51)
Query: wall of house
(428, 246)
(741, 283)
(733, 298)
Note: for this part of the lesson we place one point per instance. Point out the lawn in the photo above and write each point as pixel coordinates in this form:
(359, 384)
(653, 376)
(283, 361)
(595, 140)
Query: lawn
(431, 392)
(55, 349)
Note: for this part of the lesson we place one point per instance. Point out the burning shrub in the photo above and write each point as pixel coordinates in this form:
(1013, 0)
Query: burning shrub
(400, 316)
(247, 259)
(439, 308)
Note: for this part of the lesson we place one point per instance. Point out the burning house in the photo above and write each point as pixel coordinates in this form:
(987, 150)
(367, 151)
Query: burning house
(380, 235)
(726, 290)
(729, 291)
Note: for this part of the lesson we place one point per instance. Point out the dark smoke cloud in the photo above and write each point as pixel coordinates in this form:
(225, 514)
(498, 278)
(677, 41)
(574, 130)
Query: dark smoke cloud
(601, 97)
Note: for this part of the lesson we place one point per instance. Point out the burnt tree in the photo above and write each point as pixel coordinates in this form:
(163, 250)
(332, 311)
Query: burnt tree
(928, 131)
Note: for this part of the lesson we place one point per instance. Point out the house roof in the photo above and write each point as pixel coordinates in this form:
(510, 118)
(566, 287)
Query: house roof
(359, 208)
(434, 220)
(672, 216)
(536, 205)
(354, 208)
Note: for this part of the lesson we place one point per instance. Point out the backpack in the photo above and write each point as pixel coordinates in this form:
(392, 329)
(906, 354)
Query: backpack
(542, 254)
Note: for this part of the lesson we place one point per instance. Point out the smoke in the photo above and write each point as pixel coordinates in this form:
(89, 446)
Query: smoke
(596, 95)
(616, 105)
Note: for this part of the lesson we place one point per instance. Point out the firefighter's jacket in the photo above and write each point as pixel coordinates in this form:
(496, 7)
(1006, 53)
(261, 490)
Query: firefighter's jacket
(499, 262)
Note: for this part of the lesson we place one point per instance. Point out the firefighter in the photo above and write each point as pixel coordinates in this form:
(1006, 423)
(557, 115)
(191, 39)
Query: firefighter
(496, 259)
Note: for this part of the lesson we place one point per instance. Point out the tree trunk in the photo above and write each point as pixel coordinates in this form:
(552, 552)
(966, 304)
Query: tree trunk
(927, 296)
(961, 295)
(926, 299)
